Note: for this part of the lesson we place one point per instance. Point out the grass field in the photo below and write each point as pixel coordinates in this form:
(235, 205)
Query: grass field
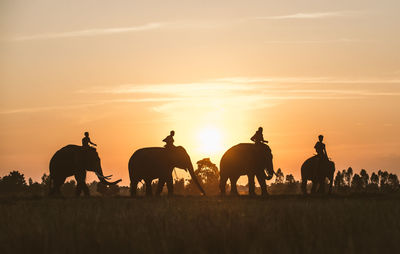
(278, 224)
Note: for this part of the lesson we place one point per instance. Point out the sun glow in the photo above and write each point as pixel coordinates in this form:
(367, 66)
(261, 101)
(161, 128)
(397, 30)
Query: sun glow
(210, 140)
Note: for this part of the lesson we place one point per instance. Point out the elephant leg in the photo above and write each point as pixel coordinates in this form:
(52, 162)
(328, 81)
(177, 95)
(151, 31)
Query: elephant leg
(170, 186)
(330, 185)
(160, 186)
(149, 191)
(263, 185)
(133, 186)
(57, 182)
(233, 186)
(321, 188)
(304, 186)
(222, 184)
(314, 186)
(252, 185)
(81, 184)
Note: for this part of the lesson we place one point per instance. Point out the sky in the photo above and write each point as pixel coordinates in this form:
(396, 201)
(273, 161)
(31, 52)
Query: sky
(214, 71)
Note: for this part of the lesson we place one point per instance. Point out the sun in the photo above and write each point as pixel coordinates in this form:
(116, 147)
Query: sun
(210, 140)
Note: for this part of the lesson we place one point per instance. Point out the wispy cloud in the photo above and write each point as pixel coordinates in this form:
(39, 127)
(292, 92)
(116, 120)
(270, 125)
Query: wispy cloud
(47, 108)
(91, 32)
(308, 15)
(234, 94)
(340, 40)
(119, 30)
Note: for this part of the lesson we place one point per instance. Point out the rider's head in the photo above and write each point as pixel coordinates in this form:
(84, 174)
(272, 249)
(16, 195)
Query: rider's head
(260, 129)
(86, 134)
(172, 133)
(320, 137)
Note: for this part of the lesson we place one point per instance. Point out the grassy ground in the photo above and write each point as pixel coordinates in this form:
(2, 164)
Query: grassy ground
(279, 224)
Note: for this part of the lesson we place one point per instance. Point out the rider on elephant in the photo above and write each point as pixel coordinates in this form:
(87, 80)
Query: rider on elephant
(258, 137)
(169, 140)
(86, 141)
(321, 150)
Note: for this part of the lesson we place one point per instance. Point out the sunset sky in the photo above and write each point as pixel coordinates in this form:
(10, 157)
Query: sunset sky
(214, 71)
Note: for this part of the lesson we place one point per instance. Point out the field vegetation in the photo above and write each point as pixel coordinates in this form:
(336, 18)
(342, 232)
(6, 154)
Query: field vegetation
(361, 216)
(277, 224)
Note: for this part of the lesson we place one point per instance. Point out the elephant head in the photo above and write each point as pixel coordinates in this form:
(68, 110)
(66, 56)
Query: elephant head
(92, 163)
(267, 161)
(181, 159)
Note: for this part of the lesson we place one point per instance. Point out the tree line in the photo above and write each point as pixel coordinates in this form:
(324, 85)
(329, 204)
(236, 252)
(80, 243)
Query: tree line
(345, 181)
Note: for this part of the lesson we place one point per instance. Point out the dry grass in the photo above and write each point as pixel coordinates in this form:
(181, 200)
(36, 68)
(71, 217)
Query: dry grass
(279, 224)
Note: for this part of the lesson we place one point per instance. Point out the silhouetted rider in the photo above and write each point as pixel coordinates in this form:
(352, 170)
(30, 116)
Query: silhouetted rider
(320, 148)
(169, 140)
(86, 141)
(321, 152)
(258, 137)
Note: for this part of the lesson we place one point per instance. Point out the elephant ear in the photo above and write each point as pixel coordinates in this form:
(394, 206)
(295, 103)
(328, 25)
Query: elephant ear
(78, 157)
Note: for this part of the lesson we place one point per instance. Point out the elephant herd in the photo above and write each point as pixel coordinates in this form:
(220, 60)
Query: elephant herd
(147, 164)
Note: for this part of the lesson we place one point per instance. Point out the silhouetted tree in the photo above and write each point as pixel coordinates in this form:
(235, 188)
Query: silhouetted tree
(207, 172)
(279, 176)
(364, 178)
(339, 180)
(356, 183)
(45, 180)
(373, 185)
(290, 179)
(375, 179)
(383, 180)
(13, 183)
(348, 176)
(291, 185)
(393, 182)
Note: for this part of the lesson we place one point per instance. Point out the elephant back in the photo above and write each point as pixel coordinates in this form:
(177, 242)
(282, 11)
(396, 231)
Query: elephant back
(248, 150)
(67, 157)
(150, 158)
(247, 154)
(310, 168)
(145, 155)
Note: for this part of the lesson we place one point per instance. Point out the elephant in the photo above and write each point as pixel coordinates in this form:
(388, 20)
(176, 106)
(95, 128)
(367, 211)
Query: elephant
(311, 170)
(246, 159)
(158, 162)
(75, 160)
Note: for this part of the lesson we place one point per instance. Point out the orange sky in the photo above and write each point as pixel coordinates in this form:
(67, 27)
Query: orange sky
(130, 71)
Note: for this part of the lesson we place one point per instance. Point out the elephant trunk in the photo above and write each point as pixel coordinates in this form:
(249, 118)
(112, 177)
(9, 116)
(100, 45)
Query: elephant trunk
(104, 179)
(270, 170)
(196, 181)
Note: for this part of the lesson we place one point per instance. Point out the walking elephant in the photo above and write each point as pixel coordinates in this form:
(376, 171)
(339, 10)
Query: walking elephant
(316, 171)
(158, 163)
(73, 160)
(246, 159)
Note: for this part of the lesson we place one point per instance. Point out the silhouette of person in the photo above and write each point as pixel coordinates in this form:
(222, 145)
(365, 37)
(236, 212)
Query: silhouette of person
(320, 148)
(86, 141)
(321, 151)
(169, 140)
(258, 137)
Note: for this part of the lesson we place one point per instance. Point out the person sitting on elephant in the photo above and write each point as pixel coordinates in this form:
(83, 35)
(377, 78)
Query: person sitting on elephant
(169, 140)
(321, 152)
(86, 142)
(320, 148)
(258, 137)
